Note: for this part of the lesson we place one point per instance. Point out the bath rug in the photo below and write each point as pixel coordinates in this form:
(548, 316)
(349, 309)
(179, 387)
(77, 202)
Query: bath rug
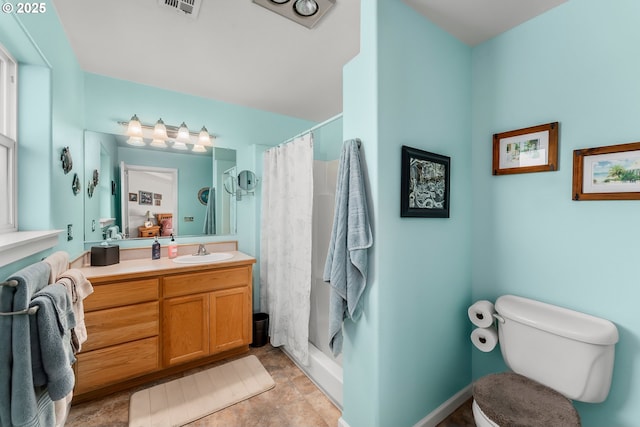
(190, 398)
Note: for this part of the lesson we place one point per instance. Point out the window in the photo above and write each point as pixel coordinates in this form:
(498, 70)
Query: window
(8, 146)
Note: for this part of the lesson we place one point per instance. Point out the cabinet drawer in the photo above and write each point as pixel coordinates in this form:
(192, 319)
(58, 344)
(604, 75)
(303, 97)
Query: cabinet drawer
(118, 325)
(193, 283)
(122, 293)
(110, 365)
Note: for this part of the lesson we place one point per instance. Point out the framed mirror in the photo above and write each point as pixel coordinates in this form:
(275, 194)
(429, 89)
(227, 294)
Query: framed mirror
(103, 212)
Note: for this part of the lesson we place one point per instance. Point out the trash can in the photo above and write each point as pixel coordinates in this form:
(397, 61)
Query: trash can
(260, 329)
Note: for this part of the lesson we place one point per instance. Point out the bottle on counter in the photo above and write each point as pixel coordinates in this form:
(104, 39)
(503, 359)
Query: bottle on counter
(173, 248)
(155, 249)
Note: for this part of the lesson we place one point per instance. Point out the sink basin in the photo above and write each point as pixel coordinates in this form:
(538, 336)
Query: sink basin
(203, 259)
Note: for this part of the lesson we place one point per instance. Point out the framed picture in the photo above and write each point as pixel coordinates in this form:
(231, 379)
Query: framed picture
(532, 149)
(157, 196)
(146, 197)
(607, 173)
(133, 197)
(157, 202)
(424, 190)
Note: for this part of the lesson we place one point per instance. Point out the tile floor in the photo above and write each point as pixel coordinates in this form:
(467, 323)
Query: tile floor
(294, 402)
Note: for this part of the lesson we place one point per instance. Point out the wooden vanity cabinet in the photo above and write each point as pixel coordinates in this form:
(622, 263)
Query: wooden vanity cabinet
(206, 313)
(147, 325)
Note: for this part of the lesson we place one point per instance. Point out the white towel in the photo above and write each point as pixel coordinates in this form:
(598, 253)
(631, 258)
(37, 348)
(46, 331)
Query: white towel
(78, 287)
(346, 265)
(59, 263)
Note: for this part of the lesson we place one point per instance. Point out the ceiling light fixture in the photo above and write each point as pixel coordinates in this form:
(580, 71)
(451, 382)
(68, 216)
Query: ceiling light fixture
(304, 12)
(179, 137)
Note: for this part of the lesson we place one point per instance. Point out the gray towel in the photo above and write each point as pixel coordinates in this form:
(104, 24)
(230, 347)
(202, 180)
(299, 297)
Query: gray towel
(51, 351)
(20, 403)
(346, 265)
(210, 213)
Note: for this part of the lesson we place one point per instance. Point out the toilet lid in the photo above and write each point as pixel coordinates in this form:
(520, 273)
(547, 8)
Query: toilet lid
(509, 399)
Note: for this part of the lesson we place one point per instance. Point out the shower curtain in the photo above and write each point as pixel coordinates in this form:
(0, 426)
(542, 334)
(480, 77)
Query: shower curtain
(285, 245)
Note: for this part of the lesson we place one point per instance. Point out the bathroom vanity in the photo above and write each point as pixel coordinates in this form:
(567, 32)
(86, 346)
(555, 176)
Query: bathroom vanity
(150, 319)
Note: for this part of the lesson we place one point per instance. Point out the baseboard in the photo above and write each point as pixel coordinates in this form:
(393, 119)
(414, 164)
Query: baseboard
(443, 411)
(438, 414)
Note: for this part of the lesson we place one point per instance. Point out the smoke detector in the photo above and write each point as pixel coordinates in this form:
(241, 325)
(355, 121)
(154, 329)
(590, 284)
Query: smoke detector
(189, 8)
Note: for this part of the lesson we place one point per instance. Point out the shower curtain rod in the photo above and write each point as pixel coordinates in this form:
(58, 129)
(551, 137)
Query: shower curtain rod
(318, 126)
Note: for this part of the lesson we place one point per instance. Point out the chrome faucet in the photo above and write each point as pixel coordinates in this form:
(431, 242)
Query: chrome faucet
(202, 251)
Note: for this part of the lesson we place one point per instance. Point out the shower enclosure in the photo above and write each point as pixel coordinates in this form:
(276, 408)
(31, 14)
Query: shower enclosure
(323, 368)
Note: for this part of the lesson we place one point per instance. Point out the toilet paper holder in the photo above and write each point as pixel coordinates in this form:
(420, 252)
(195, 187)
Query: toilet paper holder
(498, 317)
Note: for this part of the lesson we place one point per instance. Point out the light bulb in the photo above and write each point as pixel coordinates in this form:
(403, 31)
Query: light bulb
(160, 131)
(134, 128)
(305, 7)
(136, 141)
(183, 134)
(203, 137)
(158, 143)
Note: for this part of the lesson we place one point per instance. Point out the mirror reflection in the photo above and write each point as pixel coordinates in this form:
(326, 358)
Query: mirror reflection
(194, 203)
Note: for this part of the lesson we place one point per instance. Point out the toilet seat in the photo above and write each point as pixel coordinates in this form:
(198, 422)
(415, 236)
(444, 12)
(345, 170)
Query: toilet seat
(511, 399)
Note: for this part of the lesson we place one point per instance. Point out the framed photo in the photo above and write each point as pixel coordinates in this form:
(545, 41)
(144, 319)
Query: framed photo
(146, 197)
(532, 149)
(607, 173)
(133, 197)
(157, 202)
(157, 196)
(424, 190)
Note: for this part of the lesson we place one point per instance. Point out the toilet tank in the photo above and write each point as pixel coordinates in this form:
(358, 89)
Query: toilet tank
(569, 351)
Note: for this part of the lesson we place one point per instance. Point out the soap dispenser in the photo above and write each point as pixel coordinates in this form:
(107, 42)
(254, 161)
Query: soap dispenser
(173, 248)
(155, 249)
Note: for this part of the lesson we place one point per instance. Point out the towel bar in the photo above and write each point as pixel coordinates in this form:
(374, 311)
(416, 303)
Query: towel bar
(30, 310)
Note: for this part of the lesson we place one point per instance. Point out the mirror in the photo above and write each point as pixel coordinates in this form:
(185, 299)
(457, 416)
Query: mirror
(247, 180)
(110, 201)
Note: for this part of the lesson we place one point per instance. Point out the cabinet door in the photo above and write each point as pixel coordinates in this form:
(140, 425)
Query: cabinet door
(230, 315)
(186, 328)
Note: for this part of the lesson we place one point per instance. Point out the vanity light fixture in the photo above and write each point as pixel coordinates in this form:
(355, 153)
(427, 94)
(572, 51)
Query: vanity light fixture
(303, 12)
(179, 138)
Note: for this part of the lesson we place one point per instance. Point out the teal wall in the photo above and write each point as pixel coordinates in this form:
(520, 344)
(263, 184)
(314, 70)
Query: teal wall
(410, 85)
(51, 116)
(576, 64)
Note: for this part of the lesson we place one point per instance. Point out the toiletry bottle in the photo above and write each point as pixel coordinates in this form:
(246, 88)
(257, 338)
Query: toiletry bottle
(155, 249)
(173, 248)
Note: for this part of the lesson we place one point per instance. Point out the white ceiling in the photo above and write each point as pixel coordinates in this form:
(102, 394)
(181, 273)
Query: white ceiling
(240, 53)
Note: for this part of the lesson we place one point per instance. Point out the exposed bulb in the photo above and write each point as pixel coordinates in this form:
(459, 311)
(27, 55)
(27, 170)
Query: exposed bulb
(305, 7)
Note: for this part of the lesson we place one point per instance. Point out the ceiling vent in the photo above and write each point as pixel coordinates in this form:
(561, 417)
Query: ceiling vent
(189, 8)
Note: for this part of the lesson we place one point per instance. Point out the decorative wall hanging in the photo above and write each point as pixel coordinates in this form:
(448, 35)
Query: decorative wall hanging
(424, 190)
(75, 185)
(532, 149)
(145, 197)
(67, 162)
(203, 195)
(607, 173)
(133, 197)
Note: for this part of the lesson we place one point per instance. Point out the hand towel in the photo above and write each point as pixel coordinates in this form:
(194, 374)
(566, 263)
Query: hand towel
(78, 288)
(346, 264)
(59, 262)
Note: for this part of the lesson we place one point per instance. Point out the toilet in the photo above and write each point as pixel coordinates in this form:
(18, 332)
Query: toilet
(556, 355)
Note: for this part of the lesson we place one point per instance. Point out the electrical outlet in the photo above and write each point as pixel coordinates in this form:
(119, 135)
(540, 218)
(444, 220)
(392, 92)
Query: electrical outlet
(69, 232)
(188, 219)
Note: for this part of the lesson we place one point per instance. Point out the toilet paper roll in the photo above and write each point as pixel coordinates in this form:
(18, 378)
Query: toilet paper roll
(481, 313)
(485, 339)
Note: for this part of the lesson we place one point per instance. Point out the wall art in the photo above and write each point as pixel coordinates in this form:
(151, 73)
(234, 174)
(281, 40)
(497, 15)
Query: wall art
(532, 149)
(607, 173)
(424, 184)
